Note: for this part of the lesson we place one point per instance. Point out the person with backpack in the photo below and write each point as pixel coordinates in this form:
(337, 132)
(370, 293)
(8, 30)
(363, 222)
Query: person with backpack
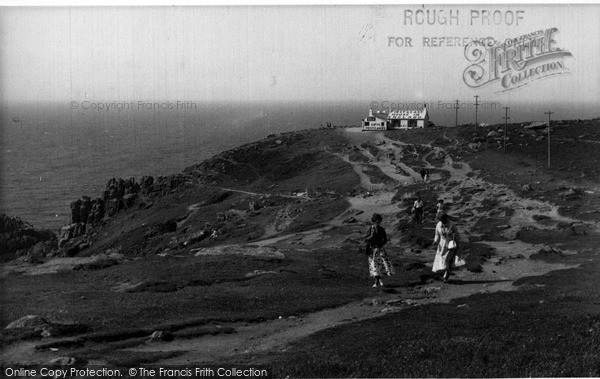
(376, 239)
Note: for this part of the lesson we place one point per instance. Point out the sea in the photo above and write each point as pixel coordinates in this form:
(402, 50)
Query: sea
(53, 153)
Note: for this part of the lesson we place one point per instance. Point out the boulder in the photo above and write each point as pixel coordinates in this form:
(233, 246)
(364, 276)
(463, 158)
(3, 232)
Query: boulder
(493, 134)
(579, 229)
(536, 125)
(547, 253)
(29, 322)
(572, 193)
(197, 237)
(159, 335)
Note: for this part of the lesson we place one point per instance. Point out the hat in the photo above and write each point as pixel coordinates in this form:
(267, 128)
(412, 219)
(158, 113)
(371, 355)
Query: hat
(452, 245)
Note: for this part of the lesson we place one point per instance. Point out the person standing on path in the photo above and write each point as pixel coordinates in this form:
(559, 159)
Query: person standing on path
(426, 178)
(417, 209)
(440, 209)
(376, 239)
(423, 174)
(446, 235)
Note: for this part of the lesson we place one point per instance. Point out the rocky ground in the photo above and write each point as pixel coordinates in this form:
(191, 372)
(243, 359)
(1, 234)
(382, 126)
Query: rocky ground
(254, 256)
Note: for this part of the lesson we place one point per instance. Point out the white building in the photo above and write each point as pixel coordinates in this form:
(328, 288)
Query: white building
(408, 119)
(377, 121)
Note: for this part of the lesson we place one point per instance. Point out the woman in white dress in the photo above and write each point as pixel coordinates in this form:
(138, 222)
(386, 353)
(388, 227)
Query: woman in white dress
(446, 236)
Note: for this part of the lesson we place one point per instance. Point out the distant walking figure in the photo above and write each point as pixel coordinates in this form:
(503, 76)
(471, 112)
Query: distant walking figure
(440, 209)
(426, 178)
(423, 174)
(417, 209)
(446, 236)
(379, 263)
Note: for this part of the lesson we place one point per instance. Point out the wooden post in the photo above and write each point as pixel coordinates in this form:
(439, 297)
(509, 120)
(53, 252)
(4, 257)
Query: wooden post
(549, 114)
(476, 106)
(506, 118)
(456, 119)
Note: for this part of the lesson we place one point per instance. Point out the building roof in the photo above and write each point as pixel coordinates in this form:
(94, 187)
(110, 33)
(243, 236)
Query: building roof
(408, 114)
(381, 116)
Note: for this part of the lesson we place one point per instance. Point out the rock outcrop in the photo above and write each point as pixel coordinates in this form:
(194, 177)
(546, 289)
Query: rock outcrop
(19, 239)
(120, 194)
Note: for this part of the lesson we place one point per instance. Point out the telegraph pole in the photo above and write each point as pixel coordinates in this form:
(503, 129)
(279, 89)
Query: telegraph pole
(506, 118)
(549, 114)
(476, 106)
(456, 119)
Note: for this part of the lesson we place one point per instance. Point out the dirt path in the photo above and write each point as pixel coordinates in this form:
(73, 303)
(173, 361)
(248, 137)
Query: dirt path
(509, 263)
(278, 334)
(264, 194)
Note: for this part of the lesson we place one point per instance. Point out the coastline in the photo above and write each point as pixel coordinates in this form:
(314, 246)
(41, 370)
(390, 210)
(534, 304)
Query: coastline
(280, 219)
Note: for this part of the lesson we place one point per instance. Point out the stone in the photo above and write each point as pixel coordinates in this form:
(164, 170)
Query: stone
(259, 272)
(431, 289)
(475, 146)
(197, 237)
(547, 252)
(579, 229)
(394, 302)
(64, 361)
(536, 125)
(29, 322)
(159, 335)
(572, 194)
(350, 220)
(493, 134)
(39, 250)
(527, 187)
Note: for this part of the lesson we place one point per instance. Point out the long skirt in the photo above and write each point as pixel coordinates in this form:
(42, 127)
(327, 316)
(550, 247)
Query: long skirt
(446, 260)
(379, 264)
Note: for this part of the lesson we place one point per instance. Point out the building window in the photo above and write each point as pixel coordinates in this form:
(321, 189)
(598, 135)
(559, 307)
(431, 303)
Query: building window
(366, 123)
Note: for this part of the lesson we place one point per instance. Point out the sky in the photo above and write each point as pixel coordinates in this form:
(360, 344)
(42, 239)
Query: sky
(332, 53)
